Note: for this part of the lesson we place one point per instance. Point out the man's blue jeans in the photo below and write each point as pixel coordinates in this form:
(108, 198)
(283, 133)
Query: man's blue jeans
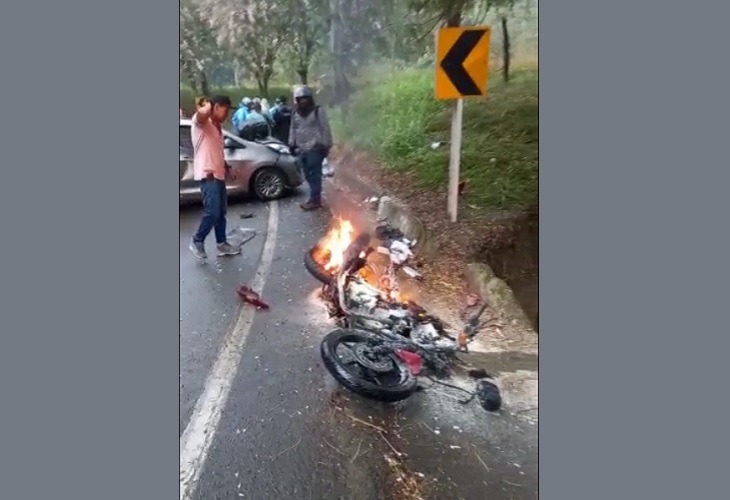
(215, 202)
(312, 168)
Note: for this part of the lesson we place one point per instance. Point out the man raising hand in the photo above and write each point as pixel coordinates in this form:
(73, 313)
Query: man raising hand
(210, 170)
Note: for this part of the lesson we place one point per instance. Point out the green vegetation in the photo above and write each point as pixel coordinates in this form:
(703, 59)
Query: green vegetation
(398, 118)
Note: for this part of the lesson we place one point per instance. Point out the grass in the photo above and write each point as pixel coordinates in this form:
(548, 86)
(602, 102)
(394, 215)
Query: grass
(397, 118)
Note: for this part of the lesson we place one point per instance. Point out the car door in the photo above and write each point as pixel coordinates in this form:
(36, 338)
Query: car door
(188, 185)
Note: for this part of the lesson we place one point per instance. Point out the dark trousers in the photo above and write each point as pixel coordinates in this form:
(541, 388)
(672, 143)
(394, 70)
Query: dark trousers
(215, 203)
(312, 168)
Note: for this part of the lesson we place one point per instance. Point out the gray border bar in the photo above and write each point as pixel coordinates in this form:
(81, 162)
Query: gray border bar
(633, 250)
(90, 306)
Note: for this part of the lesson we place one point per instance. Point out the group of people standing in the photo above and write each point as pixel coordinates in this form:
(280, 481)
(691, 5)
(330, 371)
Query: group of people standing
(254, 119)
(305, 129)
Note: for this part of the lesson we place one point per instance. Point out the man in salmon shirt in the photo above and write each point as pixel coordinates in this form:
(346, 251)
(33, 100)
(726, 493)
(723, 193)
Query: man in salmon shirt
(210, 170)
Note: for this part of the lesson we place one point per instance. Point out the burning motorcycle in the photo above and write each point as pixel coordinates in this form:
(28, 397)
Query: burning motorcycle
(381, 343)
(390, 257)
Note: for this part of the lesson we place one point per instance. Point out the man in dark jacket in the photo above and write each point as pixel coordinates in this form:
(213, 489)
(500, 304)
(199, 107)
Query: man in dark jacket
(281, 116)
(310, 137)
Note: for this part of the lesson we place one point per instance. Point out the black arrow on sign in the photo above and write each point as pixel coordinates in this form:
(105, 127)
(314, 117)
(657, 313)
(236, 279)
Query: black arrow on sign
(453, 62)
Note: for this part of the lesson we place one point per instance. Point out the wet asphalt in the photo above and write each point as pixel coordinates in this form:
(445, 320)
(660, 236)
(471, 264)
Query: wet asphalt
(287, 430)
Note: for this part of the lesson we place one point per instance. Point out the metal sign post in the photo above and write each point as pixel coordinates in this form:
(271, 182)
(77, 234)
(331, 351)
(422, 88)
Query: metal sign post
(455, 158)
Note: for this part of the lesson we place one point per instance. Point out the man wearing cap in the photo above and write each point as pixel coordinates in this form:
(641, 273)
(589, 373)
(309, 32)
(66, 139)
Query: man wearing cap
(310, 138)
(210, 170)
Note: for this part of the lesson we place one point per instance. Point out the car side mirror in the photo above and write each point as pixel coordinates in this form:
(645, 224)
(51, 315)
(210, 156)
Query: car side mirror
(229, 143)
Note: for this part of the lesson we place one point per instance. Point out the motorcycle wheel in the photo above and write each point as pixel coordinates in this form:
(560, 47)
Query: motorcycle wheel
(314, 268)
(401, 384)
(370, 272)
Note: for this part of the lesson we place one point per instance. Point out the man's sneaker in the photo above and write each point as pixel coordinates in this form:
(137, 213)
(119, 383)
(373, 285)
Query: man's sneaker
(198, 249)
(226, 249)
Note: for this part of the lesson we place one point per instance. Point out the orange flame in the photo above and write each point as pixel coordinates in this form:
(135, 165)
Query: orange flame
(334, 244)
(330, 253)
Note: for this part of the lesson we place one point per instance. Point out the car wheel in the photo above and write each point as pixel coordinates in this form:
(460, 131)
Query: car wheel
(268, 184)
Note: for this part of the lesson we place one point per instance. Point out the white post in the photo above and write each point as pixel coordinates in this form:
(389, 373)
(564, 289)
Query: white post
(455, 158)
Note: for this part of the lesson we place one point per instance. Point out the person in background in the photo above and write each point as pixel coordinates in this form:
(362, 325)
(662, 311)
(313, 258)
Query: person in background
(256, 113)
(265, 108)
(281, 119)
(241, 113)
(210, 170)
(255, 127)
(310, 137)
(259, 121)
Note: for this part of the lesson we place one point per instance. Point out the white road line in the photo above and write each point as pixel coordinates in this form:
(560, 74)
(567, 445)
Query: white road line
(198, 435)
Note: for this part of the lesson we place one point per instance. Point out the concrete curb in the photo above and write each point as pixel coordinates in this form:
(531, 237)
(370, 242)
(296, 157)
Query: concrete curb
(480, 277)
(498, 295)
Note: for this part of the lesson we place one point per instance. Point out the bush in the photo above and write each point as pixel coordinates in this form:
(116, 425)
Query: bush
(397, 117)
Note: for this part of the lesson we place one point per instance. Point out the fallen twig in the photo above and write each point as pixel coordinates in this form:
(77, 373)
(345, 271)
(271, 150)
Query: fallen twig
(427, 427)
(481, 461)
(288, 449)
(356, 452)
(397, 453)
(297, 411)
(275, 407)
(360, 421)
(332, 446)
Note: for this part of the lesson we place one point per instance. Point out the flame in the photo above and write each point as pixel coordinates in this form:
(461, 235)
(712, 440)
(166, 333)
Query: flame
(330, 254)
(335, 242)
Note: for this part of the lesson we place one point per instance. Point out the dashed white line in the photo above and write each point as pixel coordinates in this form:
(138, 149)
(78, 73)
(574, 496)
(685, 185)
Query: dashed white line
(198, 435)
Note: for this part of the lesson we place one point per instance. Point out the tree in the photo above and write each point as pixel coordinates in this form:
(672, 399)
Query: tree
(505, 49)
(253, 31)
(355, 29)
(452, 13)
(307, 34)
(199, 52)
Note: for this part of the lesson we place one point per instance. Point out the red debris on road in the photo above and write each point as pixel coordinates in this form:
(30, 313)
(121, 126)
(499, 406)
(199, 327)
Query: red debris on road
(251, 297)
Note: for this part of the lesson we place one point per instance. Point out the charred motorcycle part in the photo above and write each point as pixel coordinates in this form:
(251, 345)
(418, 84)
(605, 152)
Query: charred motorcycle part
(377, 363)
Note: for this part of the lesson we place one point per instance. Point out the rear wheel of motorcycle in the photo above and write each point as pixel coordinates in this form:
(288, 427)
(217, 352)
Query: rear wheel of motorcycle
(314, 267)
(405, 382)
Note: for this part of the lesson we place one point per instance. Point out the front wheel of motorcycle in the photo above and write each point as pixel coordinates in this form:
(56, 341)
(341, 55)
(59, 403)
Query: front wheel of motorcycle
(342, 354)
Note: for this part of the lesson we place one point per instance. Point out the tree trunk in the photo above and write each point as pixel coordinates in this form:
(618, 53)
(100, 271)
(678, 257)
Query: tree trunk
(303, 74)
(263, 85)
(191, 78)
(453, 14)
(204, 83)
(505, 50)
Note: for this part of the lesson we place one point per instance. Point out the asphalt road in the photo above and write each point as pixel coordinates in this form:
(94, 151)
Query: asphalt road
(260, 417)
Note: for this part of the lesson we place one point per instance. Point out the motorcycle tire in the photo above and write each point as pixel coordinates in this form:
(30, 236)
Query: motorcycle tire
(315, 269)
(408, 384)
(324, 276)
